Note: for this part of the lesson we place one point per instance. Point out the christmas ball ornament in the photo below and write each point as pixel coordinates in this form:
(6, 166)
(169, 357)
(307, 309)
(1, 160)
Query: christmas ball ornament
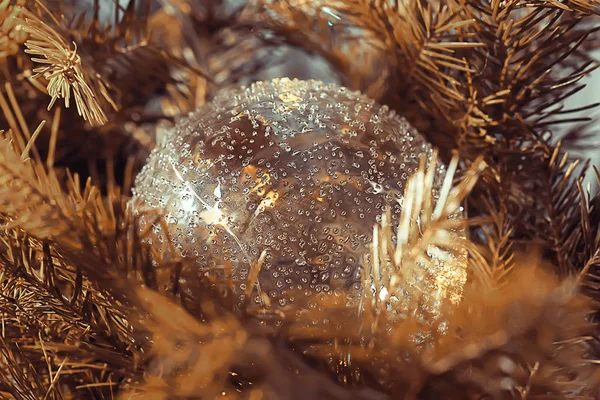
(294, 173)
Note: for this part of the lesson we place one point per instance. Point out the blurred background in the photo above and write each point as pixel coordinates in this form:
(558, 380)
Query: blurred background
(297, 64)
(590, 94)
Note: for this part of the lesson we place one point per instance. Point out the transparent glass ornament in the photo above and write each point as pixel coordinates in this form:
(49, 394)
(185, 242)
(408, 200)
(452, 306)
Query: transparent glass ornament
(296, 171)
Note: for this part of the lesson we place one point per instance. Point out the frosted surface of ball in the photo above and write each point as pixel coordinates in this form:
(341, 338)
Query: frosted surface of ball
(298, 169)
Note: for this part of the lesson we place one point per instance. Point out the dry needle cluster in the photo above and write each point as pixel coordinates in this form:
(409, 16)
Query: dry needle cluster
(90, 310)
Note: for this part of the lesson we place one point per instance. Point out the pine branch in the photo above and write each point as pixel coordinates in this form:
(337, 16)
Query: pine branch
(34, 307)
(496, 248)
(10, 38)
(425, 253)
(44, 302)
(19, 377)
(480, 352)
(124, 64)
(33, 367)
(113, 63)
(496, 348)
(587, 252)
(48, 335)
(520, 87)
(562, 222)
(63, 69)
(31, 198)
(39, 265)
(519, 82)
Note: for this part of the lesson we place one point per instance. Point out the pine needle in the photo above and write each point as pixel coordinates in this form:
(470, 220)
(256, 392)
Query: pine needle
(30, 143)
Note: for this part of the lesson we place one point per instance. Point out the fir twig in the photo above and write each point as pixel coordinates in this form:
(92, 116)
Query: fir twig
(63, 69)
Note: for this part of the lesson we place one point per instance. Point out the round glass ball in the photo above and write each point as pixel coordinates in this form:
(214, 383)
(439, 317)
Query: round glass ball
(296, 171)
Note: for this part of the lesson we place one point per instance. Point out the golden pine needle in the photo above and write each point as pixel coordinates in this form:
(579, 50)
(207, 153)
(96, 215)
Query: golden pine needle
(13, 113)
(253, 276)
(17, 110)
(30, 143)
(53, 138)
(12, 122)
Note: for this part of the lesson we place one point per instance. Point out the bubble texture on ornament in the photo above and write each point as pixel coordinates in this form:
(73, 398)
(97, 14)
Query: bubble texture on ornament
(299, 169)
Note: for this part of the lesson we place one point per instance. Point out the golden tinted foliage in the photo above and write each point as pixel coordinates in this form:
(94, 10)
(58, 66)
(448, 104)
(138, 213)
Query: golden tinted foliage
(90, 308)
